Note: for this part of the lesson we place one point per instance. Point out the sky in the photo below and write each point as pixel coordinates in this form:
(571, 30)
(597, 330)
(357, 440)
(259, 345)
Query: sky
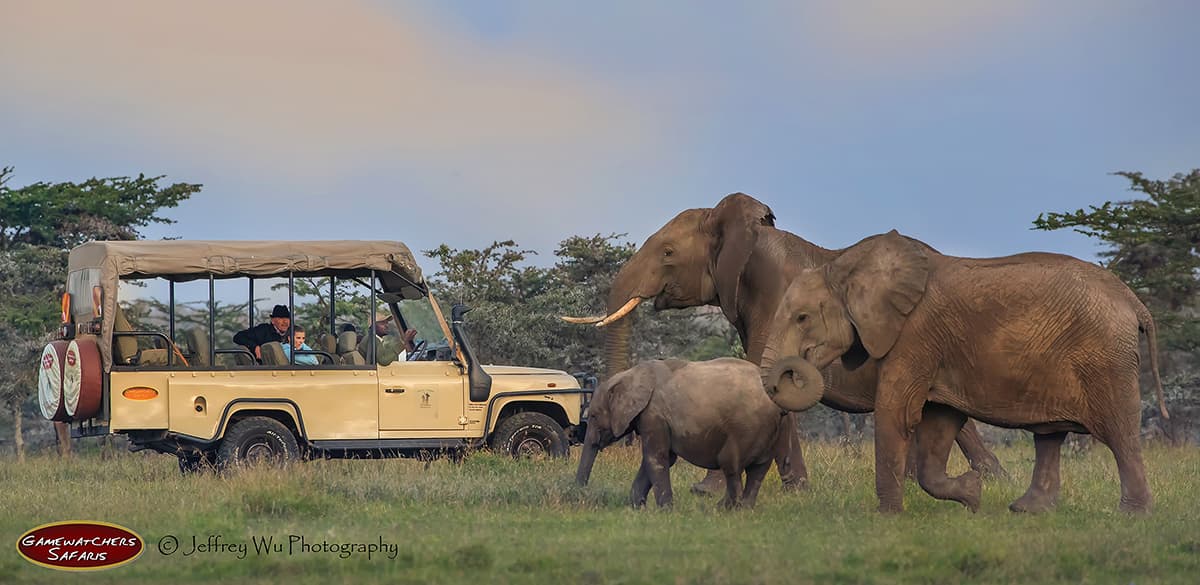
(953, 121)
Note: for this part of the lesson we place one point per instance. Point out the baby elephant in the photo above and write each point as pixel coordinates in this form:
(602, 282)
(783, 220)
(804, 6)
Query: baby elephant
(714, 414)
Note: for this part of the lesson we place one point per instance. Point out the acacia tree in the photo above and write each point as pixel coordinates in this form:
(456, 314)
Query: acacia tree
(39, 223)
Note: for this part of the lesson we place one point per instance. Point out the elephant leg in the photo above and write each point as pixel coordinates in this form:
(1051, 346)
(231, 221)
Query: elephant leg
(641, 486)
(978, 455)
(1135, 492)
(730, 460)
(733, 489)
(754, 478)
(898, 405)
(712, 483)
(789, 456)
(657, 459)
(1127, 450)
(935, 436)
(1042, 494)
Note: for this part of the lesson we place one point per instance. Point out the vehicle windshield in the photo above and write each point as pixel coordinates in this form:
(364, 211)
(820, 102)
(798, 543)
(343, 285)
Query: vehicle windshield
(419, 314)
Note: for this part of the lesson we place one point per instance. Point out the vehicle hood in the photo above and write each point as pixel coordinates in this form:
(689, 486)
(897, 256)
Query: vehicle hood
(522, 371)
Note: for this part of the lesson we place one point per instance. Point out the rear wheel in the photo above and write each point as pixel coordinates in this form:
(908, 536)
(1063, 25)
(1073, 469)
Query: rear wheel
(530, 435)
(257, 440)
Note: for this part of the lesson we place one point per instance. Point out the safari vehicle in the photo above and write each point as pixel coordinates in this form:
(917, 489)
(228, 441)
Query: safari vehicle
(167, 374)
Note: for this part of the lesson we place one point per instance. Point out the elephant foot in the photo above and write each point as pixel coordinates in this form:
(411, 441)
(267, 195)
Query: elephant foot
(713, 483)
(1141, 508)
(972, 487)
(891, 508)
(795, 484)
(1033, 503)
(990, 468)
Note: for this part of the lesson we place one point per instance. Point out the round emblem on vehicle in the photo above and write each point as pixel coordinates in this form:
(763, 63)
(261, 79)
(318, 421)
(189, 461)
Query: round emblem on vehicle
(50, 380)
(71, 380)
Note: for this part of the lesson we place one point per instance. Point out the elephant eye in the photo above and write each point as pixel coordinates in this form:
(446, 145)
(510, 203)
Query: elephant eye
(802, 317)
(668, 252)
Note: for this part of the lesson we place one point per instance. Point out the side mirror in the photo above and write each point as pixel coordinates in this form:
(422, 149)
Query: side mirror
(481, 381)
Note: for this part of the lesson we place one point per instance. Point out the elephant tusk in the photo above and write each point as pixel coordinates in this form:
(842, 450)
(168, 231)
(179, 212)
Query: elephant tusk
(581, 320)
(625, 310)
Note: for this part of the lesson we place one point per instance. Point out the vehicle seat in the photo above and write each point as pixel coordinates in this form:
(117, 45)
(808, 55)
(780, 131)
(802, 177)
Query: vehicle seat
(326, 343)
(125, 347)
(272, 354)
(347, 350)
(197, 342)
(152, 357)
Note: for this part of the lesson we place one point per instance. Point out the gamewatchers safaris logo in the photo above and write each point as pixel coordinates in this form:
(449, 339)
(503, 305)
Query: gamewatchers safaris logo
(80, 545)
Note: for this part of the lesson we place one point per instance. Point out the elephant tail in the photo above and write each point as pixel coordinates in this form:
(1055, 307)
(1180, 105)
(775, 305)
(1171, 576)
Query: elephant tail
(1146, 324)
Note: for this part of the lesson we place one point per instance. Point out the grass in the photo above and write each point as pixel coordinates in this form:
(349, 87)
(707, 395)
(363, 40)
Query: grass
(493, 520)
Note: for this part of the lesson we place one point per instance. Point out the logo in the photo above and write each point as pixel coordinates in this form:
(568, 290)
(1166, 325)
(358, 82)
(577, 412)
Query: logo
(47, 362)
(71, 359)
(80, 545)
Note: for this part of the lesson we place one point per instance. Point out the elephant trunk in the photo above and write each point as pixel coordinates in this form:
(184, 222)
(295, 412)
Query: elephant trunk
(616, 347)
(586, 460)
(793, 383)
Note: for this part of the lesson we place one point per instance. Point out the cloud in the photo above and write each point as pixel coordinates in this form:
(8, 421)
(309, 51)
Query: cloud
(312, 91)
(885, 38)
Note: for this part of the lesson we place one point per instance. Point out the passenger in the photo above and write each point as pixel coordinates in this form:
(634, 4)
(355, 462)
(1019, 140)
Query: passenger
(306, 359)
(276, 330)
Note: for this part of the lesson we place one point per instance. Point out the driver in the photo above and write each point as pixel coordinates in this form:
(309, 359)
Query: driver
(386, 343)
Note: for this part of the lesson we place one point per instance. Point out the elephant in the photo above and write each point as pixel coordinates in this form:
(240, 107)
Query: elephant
(714, 414)
(732, 256)
(1038, 341)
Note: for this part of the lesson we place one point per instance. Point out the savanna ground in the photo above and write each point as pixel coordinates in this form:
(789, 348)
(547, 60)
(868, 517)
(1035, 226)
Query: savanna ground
(493, 520)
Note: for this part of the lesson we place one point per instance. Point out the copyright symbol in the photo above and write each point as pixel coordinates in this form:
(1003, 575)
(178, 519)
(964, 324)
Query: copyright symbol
(168, 544)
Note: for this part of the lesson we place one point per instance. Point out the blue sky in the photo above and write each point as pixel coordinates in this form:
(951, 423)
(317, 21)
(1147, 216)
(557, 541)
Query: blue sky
(953, 121)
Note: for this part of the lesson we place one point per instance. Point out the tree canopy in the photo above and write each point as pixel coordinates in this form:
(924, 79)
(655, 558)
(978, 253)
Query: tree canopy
(64, 215)
(1153, 245)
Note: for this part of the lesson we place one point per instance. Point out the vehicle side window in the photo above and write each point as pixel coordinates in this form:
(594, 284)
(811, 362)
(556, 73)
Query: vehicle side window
(140, 324)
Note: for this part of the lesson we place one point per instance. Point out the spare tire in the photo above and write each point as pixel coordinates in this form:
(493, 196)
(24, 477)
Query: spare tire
(82, 379)
(50, 377)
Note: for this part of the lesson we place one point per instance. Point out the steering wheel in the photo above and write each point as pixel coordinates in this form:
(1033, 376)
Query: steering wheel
(415, 354)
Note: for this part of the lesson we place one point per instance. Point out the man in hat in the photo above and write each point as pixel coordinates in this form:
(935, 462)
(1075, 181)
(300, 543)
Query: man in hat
(389, 348)
(276, 330)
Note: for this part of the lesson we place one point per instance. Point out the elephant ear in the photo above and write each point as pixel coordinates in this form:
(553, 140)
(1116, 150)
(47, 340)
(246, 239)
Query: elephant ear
(733, 229)
(630, 394)
(880, 280)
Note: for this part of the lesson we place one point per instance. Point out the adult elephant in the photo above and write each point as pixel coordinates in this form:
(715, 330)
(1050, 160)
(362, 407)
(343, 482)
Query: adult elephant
(732, 256)
(1038, 341)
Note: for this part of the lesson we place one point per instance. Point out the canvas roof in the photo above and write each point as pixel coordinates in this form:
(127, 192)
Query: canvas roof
(183, 260)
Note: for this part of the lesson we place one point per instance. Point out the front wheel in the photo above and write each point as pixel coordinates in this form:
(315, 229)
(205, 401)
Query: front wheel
(255, 440)
(530, 435)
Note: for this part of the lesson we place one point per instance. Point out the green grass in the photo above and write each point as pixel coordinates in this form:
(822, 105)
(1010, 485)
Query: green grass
(492, 520)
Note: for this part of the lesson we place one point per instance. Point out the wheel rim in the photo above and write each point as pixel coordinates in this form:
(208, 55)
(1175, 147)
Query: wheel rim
(530, 445)
(259, 449)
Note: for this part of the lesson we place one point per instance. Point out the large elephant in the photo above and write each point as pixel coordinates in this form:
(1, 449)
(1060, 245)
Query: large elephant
(1037, 341)
(732, 256)
(714, 414)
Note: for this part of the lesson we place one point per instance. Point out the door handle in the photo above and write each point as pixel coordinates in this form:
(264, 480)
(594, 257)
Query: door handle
(394, 390)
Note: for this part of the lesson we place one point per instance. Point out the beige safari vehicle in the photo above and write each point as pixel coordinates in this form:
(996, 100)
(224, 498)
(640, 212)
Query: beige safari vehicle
(168, 375)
